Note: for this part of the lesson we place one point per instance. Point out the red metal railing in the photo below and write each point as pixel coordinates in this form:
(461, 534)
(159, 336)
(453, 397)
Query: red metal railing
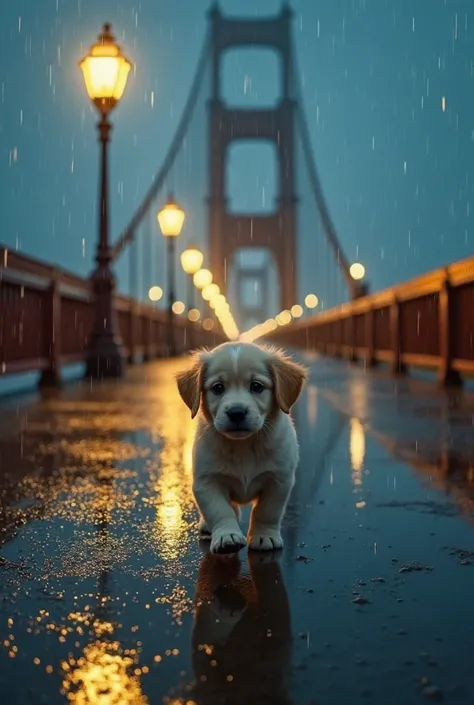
(46, 315)
(426, 322)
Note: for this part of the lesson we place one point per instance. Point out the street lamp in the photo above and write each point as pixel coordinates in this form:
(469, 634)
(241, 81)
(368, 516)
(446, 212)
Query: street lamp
(171, 219)
(202, 278)
(155, 293)
(191, 262)
(105, 70)
(311, 301)
(357, 271)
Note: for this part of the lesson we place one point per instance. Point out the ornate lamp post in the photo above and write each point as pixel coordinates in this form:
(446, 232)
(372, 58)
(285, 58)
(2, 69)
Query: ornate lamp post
(357, 272)
(171, 219)
(105, 71)
(191, 262)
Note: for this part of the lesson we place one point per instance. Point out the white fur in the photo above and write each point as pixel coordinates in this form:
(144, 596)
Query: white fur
(257, 465)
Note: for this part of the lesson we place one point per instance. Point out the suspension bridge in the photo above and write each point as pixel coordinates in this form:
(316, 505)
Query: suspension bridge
(97, 519)
(280, 274)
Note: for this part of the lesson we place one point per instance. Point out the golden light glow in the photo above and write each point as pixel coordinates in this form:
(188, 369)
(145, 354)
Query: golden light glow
(218, 301)
(173, 500)
(227, 321)
(178, 307)
(105, 70)
(208, 324)
(296, 311)
(155, 293)
(283, 318)
(102, 676)
(202, 278)
(259, 330)
(191, 259)
(210, 291)
(171, 219)
(194, 315)
(357, 271)
(357, 450)
(311, 301)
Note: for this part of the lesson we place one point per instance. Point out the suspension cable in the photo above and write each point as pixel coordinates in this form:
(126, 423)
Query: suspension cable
(129, 233)
(317, 189)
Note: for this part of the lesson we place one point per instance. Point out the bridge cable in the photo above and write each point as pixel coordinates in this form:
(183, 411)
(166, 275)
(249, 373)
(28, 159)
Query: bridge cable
(317, 189)
(129, 233)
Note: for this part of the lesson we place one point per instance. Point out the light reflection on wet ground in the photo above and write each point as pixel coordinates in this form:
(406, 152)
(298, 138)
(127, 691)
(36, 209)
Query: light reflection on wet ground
(106, 596)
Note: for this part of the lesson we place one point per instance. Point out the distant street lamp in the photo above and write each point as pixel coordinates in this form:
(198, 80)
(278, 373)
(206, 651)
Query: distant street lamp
(191, 262)
(296, 311)
(171, 219)
(311, 301)
(202, 278)
(105, 70)
(357, 271)
(210, 291)
(155, 293)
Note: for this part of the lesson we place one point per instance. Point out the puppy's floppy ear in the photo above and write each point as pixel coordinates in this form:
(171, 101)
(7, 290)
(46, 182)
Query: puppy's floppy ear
(288, 377)
(190, 385)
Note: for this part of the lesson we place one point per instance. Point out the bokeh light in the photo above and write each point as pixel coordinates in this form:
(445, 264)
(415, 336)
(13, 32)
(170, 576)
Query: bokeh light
(178, 307)
(155, 293)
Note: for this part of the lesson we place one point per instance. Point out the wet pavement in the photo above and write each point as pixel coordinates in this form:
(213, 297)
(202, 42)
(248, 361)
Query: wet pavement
(106, 596)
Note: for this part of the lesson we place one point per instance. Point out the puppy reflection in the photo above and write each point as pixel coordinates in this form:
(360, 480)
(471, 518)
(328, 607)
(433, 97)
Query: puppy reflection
(242, 632)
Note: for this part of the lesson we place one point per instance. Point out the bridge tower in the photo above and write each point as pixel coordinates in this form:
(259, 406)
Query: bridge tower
(276, 231)
(258, 310)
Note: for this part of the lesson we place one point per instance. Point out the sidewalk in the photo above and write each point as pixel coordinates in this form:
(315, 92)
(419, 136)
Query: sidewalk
(106, 596)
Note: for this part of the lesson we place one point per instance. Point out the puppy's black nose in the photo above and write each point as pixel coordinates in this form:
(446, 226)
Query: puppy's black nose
(237, 413)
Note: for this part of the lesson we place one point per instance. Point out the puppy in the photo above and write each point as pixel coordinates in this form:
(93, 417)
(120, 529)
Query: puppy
(245, 450)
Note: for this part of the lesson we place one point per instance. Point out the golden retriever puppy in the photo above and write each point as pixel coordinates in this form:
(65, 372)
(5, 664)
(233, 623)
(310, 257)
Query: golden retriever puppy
(245, 450)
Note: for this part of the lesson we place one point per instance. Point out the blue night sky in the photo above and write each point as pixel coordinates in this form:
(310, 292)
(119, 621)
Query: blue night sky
(388, 91)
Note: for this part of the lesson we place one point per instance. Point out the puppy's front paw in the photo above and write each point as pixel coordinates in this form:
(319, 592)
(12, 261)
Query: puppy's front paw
(227, 542)
(265, 541)
(204, 533)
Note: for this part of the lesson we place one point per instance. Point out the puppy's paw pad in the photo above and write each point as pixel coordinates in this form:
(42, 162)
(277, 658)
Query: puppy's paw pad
(265, 542)
(228, 543)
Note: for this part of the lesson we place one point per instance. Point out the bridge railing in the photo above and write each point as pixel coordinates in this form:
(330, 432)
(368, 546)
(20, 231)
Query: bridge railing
(426, 322)
(46, 315)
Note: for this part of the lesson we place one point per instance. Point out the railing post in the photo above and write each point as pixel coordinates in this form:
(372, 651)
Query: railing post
(396, 339)
(339, 336)
(370, 338)
(351, 355)
(446, 375)
(51, 376)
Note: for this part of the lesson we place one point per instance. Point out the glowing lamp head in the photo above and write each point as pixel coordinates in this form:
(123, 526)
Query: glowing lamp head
(155, 293)
(191, 260)
(218, 302)
(208, 324)
(178, 308)
(202, 278)
(194, 315)
(283, 318)
(311, 301)
(357, 271)
(210, 291)
(296, 311)
(105, 70)
(171, 219)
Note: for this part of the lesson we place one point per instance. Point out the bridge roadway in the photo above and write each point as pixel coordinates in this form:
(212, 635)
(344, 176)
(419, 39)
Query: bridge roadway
(107, 597)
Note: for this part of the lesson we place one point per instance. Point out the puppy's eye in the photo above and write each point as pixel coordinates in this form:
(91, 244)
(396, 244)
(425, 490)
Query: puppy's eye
(256, 387)
(218, 389)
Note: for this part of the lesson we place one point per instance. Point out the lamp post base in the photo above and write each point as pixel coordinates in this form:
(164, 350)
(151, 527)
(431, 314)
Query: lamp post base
(105, 353)
(105, 357)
